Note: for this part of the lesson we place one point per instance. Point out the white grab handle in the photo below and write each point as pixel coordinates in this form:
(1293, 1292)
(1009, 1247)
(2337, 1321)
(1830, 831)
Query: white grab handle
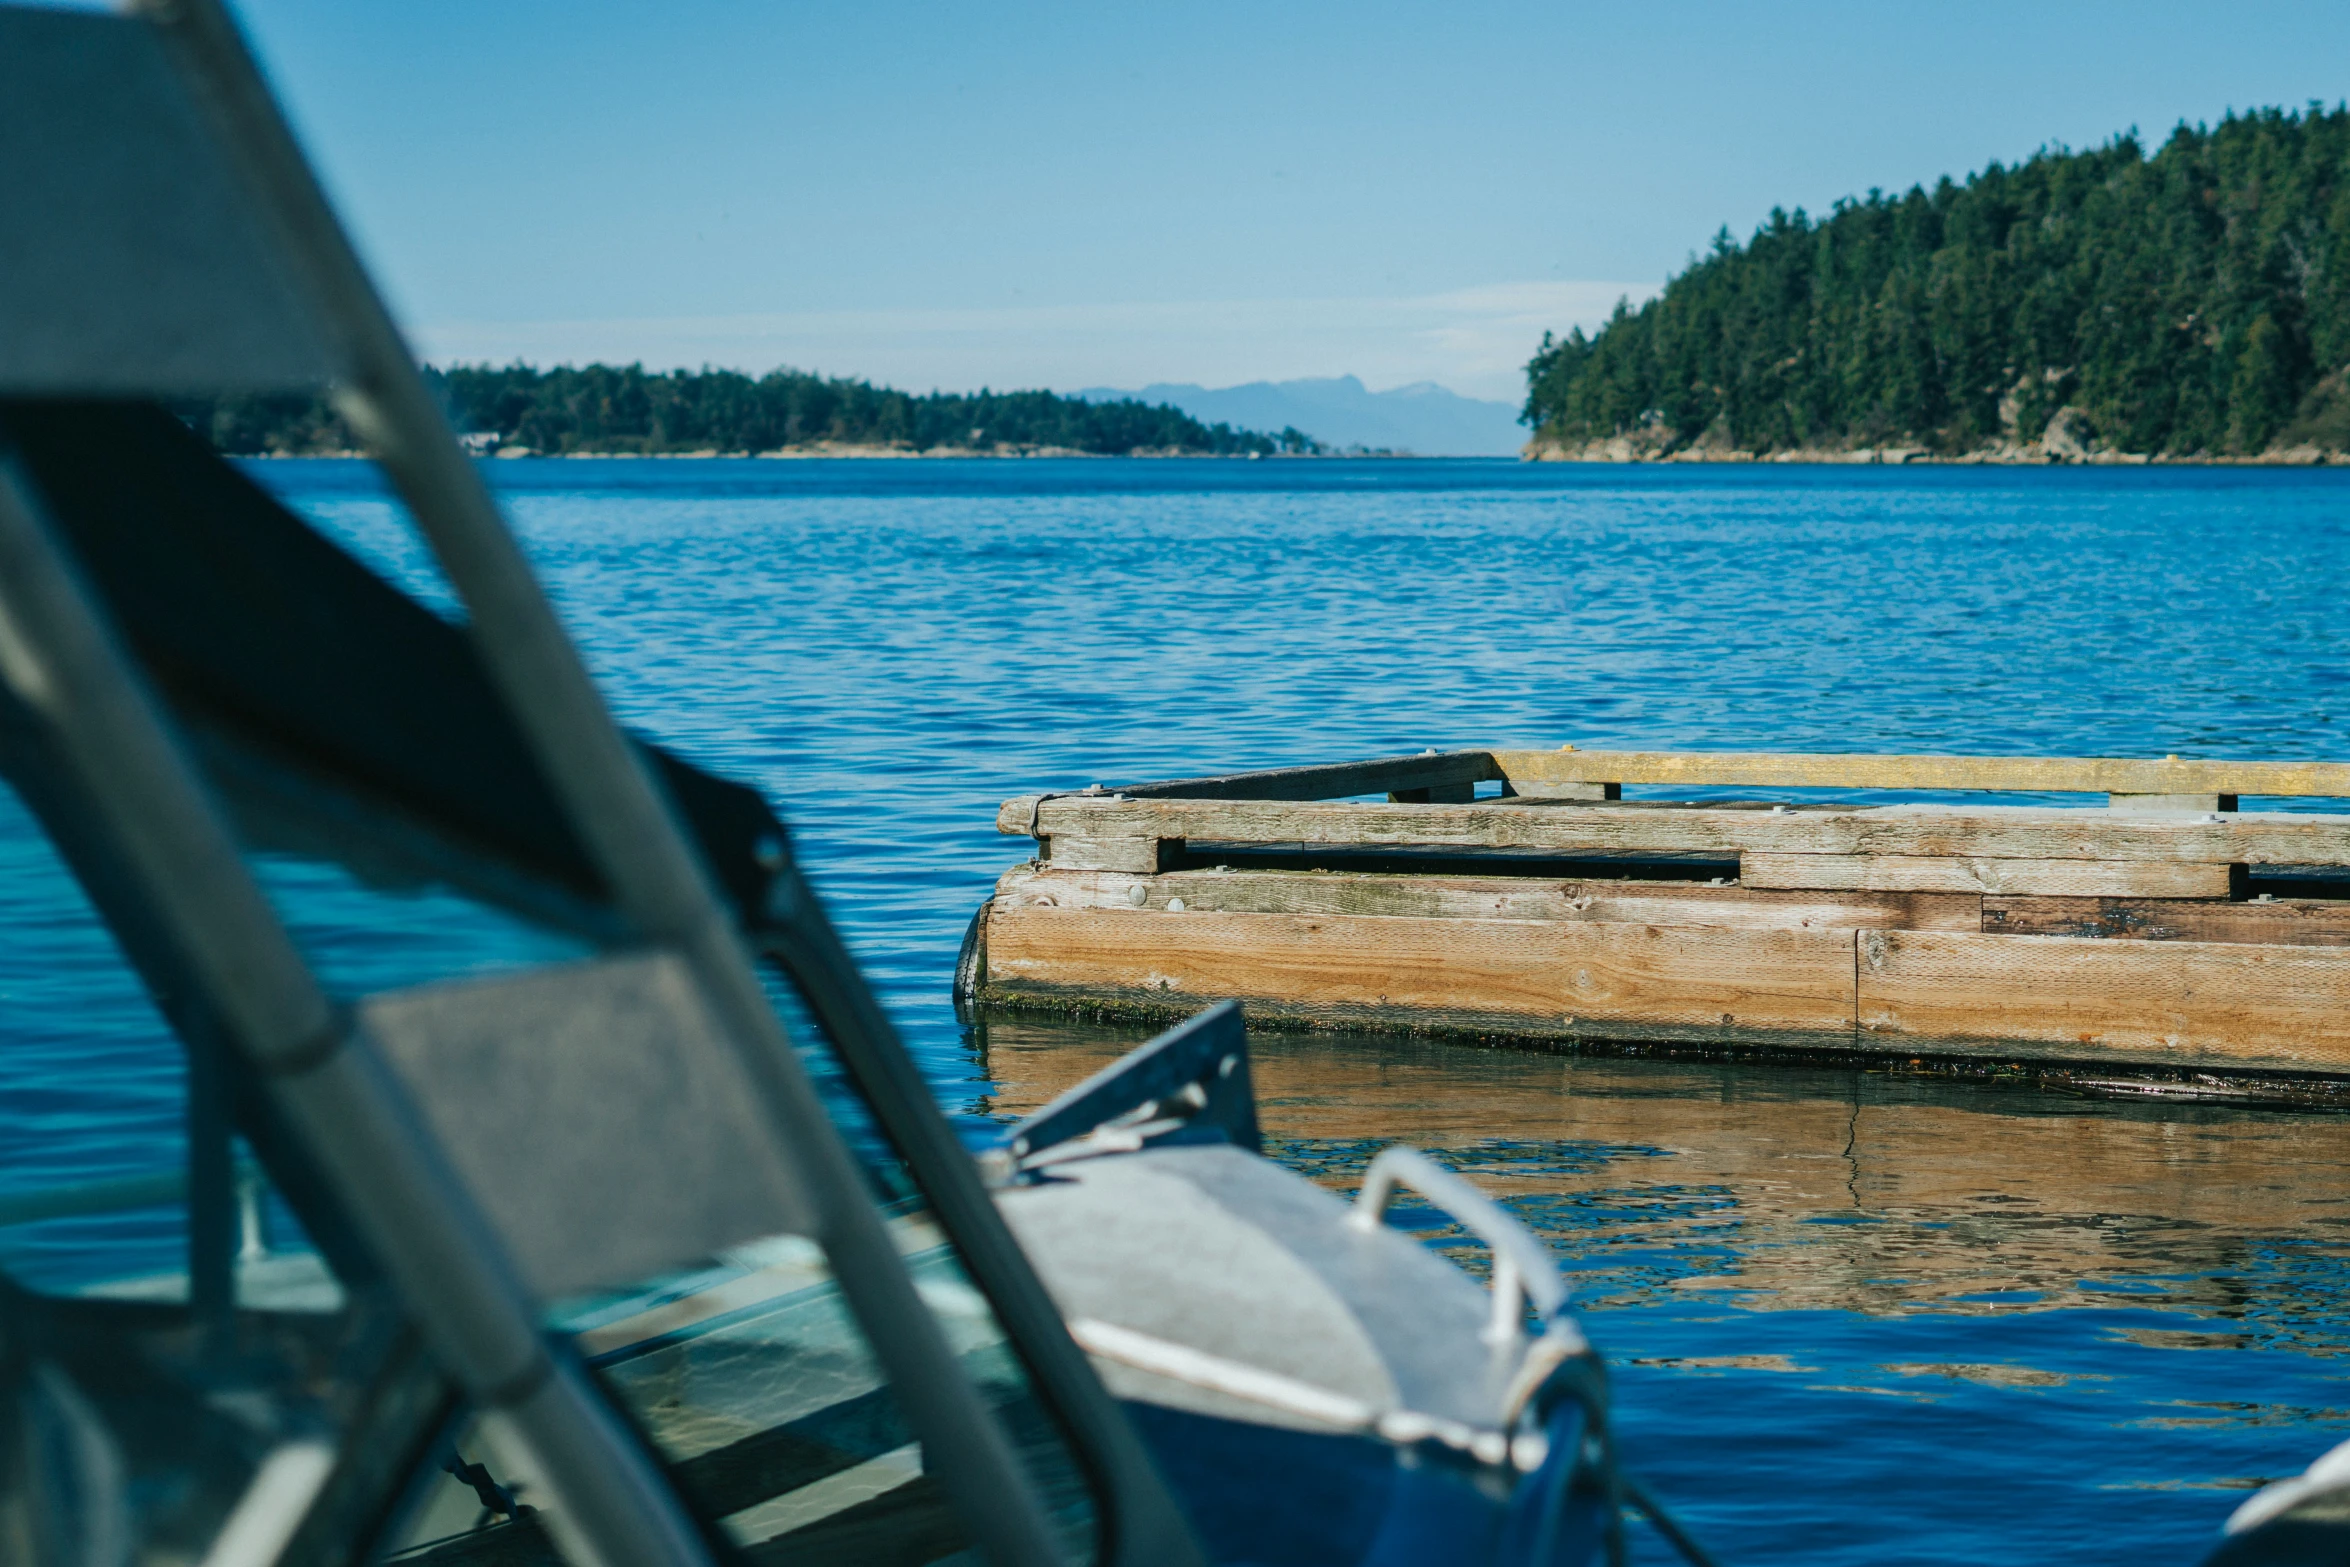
(1522, 1269)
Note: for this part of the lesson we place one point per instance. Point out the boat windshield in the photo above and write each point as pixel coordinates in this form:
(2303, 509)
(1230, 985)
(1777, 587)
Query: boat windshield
(167, 1408)
(754, 1383)
(178, 1361)
(746, 1372)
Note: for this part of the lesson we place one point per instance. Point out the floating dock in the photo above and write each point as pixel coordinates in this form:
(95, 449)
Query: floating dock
(1518, 896)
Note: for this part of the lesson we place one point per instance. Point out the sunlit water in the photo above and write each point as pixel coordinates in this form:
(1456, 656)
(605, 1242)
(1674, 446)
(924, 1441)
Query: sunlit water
(1858, 1318)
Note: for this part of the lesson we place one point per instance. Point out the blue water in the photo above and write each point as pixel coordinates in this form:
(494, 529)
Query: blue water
(1858, 1318)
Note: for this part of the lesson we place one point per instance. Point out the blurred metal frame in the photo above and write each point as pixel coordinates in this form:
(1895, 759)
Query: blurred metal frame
(663, 889)
(629, 829)
(175, 858)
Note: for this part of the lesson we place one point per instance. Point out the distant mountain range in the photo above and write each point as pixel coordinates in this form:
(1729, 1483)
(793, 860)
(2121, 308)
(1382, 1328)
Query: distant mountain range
(1339, 411)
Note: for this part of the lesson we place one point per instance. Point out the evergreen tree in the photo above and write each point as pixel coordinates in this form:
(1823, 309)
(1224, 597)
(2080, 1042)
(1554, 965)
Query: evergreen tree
(628, 409)
(2192, 302)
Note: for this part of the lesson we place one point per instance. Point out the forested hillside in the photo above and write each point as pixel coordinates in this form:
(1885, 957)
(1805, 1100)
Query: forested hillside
(2195, 302)
(602, 408)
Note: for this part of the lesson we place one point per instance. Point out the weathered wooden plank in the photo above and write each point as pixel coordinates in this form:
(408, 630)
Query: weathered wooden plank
(2172, 1003)
(2063, 774)
(1539, 789)
(1488, 897)
(2289, 922)
(1331, 781)
(1532, 976)
(1074, 853)
(2170, 802)
(1993, 832)
(1951, 873)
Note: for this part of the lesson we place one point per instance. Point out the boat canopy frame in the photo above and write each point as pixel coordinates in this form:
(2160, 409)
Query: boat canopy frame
(234, 274)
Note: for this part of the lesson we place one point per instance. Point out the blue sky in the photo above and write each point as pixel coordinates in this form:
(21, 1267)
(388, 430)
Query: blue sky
(1076, 195)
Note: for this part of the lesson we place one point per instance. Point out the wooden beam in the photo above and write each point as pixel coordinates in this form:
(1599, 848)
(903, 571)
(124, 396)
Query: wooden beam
(1069, 852)
(2173, 1003)
(1526, 977)
(1991, 832)
(1488, 898)
(1953, 873)
(2284, 922)
(1333, 780)
(1774, 770)
(2170, 1003)
(1542, 789)
(2170, 802)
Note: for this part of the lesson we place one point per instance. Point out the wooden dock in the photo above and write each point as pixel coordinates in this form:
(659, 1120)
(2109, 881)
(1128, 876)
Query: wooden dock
(1516, 895)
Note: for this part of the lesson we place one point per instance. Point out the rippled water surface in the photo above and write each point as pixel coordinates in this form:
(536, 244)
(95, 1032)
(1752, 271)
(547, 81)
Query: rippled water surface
(1859, 1317)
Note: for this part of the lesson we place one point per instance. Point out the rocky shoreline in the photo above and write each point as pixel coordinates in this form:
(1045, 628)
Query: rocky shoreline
(1619, 451)
(2068, 439)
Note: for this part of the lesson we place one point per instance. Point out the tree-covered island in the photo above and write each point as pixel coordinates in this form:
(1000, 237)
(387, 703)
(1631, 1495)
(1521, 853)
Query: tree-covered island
(2189, 305)
(628, 410)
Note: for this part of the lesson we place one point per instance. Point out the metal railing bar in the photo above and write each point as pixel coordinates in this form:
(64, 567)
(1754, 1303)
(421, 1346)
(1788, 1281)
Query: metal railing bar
(124, 1194)
(129, 1193)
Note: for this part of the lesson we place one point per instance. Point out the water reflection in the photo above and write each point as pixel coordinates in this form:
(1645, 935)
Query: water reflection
(1797, 1188)
(1823, 1285)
